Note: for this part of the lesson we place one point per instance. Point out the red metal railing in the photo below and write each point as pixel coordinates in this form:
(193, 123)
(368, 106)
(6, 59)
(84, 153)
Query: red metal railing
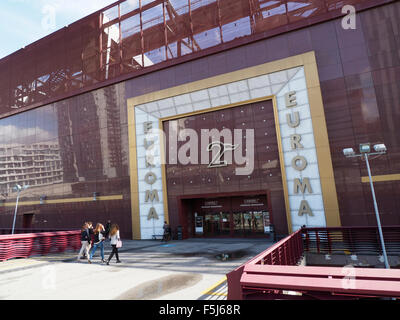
(276, 273)
(7, 231)
(30, 244)
(288, 251)
(354, 240)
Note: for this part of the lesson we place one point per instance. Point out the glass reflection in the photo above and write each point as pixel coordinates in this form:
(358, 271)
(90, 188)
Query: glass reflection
(132, 35)
(71, 148)
(30, 151)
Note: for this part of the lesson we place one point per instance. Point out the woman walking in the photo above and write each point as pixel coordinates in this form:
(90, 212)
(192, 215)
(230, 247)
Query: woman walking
(99, 236)
(114, 236)
(85, 241)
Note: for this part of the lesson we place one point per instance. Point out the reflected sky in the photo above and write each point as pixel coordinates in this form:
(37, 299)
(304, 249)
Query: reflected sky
(40, 17)
(35, 126)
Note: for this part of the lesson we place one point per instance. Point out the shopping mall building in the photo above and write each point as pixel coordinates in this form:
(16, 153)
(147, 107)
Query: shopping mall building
(224, 117)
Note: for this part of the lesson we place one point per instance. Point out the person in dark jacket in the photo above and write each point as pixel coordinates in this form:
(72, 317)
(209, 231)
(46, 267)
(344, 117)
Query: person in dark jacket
(90, 233)
(85, 241)
(167, 232)
(108, 228)
(99, 237)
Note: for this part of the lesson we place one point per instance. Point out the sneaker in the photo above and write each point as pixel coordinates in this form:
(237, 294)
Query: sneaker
(119, 261)
(90, 262)
(108, 263)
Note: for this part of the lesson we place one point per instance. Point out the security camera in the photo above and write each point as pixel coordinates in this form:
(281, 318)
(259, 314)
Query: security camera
(380, 147)
(348, 152)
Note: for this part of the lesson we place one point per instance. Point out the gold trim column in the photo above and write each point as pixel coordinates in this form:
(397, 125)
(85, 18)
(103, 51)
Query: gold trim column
(133, 170)
(321, 139)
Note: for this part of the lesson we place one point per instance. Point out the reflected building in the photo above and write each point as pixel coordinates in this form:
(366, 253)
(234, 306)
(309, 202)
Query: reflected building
(35, 165)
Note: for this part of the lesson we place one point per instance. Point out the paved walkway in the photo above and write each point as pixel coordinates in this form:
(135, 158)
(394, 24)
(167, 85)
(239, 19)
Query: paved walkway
(180, 270)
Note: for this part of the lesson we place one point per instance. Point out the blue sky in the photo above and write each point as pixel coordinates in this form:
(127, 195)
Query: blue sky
(25, 21)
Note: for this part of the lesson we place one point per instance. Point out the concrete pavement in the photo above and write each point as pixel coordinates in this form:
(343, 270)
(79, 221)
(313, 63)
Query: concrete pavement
(179, 270)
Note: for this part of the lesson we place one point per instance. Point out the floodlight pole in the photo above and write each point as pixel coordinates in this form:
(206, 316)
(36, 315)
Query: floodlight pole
(15, 212)
(378, 220)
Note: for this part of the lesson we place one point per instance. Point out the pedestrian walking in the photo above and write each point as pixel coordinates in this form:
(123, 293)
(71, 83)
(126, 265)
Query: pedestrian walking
(90, 228)
(85, 241)
(108, 228)
(167, 232)
(90, 233)
(99, 237)
(115, 241)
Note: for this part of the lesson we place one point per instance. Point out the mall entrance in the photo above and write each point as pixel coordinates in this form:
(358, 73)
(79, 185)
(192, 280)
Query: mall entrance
(247, 215)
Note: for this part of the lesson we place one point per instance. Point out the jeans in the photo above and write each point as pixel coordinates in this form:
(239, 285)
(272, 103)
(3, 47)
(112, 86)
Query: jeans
(101, 245)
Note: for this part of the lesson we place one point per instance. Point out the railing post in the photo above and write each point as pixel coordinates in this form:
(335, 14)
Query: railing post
(317, 239)
(329, 242)
(307, 241)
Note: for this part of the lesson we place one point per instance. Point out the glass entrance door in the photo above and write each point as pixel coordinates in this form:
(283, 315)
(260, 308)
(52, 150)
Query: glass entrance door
(225, 223)
(248, 223)
(238, 228)
(231, 217)
(258, 222)
(216, 224)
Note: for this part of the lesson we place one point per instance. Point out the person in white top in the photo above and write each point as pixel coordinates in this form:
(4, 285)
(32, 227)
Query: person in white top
(114, 237)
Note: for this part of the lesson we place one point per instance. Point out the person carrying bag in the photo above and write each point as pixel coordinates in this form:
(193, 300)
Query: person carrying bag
(115, 243)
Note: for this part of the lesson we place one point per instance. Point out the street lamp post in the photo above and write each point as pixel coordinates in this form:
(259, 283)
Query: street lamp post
(365, 152)
(19, 189)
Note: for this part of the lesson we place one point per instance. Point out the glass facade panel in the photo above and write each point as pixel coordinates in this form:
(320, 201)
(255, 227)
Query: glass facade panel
(236, 29)
(132, 58)
(153, 35)
(110, 14)
(133, 35)
(69, 149)
(268, 15)
(128, 6)
(299, 10)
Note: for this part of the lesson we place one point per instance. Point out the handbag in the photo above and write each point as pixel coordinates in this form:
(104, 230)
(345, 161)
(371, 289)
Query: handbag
(119, 244)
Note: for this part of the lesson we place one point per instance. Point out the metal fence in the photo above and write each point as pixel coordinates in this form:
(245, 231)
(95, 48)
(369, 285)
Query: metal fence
(351, 240)
(7, 231)
(31, 244)
(277, 273)
(288, 251)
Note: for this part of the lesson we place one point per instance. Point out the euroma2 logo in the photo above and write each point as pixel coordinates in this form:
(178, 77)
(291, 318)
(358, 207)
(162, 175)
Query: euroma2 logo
(212, 147)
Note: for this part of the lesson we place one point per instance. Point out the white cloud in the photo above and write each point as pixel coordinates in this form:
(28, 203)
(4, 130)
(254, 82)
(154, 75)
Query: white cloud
(10, 136)
(73, 11)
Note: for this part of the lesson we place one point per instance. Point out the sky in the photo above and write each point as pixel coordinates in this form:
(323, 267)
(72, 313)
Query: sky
(25, 21)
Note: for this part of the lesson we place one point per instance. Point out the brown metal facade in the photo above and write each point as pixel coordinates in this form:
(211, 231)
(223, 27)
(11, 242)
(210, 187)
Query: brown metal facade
(82, 140)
